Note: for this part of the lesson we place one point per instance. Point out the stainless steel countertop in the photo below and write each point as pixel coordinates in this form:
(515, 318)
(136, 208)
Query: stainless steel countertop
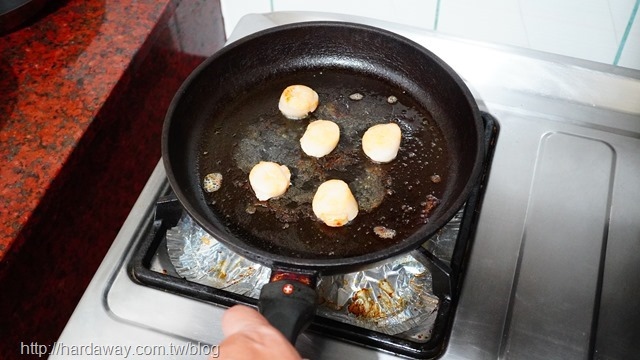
(553, 272)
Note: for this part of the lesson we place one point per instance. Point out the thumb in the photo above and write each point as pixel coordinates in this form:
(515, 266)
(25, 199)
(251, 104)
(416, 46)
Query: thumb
(248, 335)
(240, 318)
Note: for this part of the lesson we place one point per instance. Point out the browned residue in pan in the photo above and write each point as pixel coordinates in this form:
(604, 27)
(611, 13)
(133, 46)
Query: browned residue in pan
(429, 206)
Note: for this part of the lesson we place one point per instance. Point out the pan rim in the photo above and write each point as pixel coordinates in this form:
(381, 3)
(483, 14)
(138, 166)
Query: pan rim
(338, 264)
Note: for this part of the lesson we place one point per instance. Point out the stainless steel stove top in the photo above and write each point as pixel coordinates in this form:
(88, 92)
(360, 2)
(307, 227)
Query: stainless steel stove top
(553, 271)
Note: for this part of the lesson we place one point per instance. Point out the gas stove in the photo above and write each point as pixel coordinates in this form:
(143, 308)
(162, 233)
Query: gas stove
(421, 287)
(548, 266)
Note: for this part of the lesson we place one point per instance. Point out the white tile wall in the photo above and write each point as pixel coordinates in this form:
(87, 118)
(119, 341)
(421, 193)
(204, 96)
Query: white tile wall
(497, 21)
(420, 13)
(578, 28)
(587, 29)
(620, 12)
(233, 10)
(630, 56)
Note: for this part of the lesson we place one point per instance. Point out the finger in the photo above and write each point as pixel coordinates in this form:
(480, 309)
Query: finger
(248, 335)
(241, 318)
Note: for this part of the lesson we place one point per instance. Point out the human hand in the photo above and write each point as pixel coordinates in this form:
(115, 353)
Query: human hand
(248, 335)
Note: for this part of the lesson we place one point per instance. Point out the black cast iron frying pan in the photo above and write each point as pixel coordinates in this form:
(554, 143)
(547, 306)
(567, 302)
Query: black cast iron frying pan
(224, 119)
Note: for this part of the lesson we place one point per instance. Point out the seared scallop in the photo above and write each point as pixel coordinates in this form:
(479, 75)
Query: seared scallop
(269, 180)
(381, 142)
(298, 101)
(320, 138)
(334, 203)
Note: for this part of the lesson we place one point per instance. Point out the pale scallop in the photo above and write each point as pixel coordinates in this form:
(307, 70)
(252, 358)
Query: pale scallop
(334, 203)
(297, 101)
(381, 142)
(320, 138)
(269, 180)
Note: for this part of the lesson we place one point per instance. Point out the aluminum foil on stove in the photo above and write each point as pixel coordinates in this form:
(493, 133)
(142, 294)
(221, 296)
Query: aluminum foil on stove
(198, 257)
(393, 298)
(442, 243)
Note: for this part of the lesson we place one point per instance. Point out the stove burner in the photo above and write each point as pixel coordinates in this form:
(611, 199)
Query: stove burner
(446, 261)
(392, 298)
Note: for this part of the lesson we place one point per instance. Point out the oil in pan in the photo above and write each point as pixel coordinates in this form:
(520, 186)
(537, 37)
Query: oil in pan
(397, 196)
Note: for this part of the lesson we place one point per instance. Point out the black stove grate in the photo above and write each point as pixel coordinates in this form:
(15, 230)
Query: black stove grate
(446, 278)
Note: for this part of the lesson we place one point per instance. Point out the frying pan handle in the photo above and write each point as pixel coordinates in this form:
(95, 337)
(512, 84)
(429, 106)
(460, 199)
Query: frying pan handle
(289, 305)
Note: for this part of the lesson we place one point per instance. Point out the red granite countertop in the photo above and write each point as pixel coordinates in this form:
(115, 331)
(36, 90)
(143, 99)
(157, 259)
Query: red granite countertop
(56, 75)
(84, 88)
